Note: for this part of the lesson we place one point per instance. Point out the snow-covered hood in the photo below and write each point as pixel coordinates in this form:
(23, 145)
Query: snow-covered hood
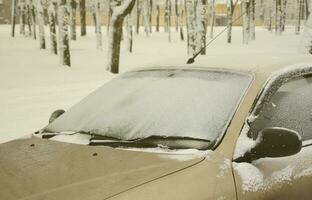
(34, 168)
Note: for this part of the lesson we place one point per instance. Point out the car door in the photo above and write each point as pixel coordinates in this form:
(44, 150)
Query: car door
(286, 177)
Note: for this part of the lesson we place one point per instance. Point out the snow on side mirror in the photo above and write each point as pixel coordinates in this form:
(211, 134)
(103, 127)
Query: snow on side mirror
(55, 115)
(273, 142)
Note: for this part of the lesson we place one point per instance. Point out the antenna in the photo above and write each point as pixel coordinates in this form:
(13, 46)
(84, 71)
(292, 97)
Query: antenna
(192, 59)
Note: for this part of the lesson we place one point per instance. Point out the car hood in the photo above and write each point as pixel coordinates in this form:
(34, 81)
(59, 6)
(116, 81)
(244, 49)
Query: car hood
(35, 168)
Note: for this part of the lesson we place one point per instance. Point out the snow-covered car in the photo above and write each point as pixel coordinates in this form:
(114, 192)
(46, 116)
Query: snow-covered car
(173, 133)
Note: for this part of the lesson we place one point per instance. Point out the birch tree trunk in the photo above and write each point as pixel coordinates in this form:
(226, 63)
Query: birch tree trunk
(212, 17)
(246, 23)
(252, 26)
(138, 14)
(299, 15)
(191, 27)
(166, 16)
(34, 21)
(201, 26)
(146, 18)
(129, 34)
(279, 16)
(52, 24)
(169, 21)
(41, 25)
(19, 9)
(306, 42)
(98, 25)
(115, 34)
(150, 14)
(73, 9)
(181, 24)
(270, 16)
(109, 16)
(28, 18)
(82, 6)
(157, 16)
(229, 20)
(22, 18)
(176, 9)
(63, 20)
(13, 17)
(94, 20)
(284, 8)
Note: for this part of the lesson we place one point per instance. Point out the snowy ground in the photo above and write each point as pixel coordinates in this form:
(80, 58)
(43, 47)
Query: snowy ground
(32, 84)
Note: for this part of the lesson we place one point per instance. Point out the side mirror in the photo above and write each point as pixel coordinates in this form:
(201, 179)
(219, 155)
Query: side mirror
(55, 115)
(274, 142)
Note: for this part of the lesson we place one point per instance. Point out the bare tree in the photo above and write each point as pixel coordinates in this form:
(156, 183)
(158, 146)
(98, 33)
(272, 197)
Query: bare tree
(138, 14)
(278, 17)
(191, 27)
(28, 17)
(252, 15)
(98, 25)
(270, 11)
(157, 16)
(129, 34)
(246, 18)
(146, 16)
(52, 25)
(181, 23)
(22, 20)
(299, 15)
(13, 17)
(230, 11)
(109, 15)
(82, 6)
(306, 42)
(177, 17)
(115, 33)
(41, 25)
(34, 21)
(212, 17)
(166, 16)
(63, 21)
(201, 25)
(150, 13)
(284, 14)
(73, 9)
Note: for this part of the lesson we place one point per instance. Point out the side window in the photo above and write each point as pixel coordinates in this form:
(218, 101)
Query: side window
(290, 107)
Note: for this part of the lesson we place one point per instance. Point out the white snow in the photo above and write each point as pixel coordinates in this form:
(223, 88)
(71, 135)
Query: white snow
(304, 173)
(75, 138)
(244, 143)
(267, 172)
(224, 167)
(178, 155)
(33, 85)
(252, 178)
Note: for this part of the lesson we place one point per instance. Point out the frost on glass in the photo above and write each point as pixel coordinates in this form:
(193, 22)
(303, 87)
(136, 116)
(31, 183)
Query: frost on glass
(184, 103)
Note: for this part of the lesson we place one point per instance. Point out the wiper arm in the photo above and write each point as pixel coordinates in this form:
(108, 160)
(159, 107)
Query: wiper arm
(170, 142)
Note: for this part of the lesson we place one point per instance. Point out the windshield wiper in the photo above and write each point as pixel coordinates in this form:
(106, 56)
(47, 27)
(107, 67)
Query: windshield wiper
(170, 142)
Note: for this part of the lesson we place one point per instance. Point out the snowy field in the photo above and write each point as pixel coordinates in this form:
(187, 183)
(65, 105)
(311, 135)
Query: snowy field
(32, 83)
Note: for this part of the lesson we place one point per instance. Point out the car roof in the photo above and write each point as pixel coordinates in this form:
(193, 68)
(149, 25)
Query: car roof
(262, 66)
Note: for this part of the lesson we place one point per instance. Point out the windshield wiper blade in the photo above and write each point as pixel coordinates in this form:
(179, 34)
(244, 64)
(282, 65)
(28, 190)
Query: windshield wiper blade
(170, 142)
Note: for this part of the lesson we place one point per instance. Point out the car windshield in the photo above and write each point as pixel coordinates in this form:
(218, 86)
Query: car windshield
(190, 103)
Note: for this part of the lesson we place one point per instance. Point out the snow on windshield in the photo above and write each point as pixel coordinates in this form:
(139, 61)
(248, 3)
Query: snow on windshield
(183, 103)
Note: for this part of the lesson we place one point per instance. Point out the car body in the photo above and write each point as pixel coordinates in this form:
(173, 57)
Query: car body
(36, 168)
